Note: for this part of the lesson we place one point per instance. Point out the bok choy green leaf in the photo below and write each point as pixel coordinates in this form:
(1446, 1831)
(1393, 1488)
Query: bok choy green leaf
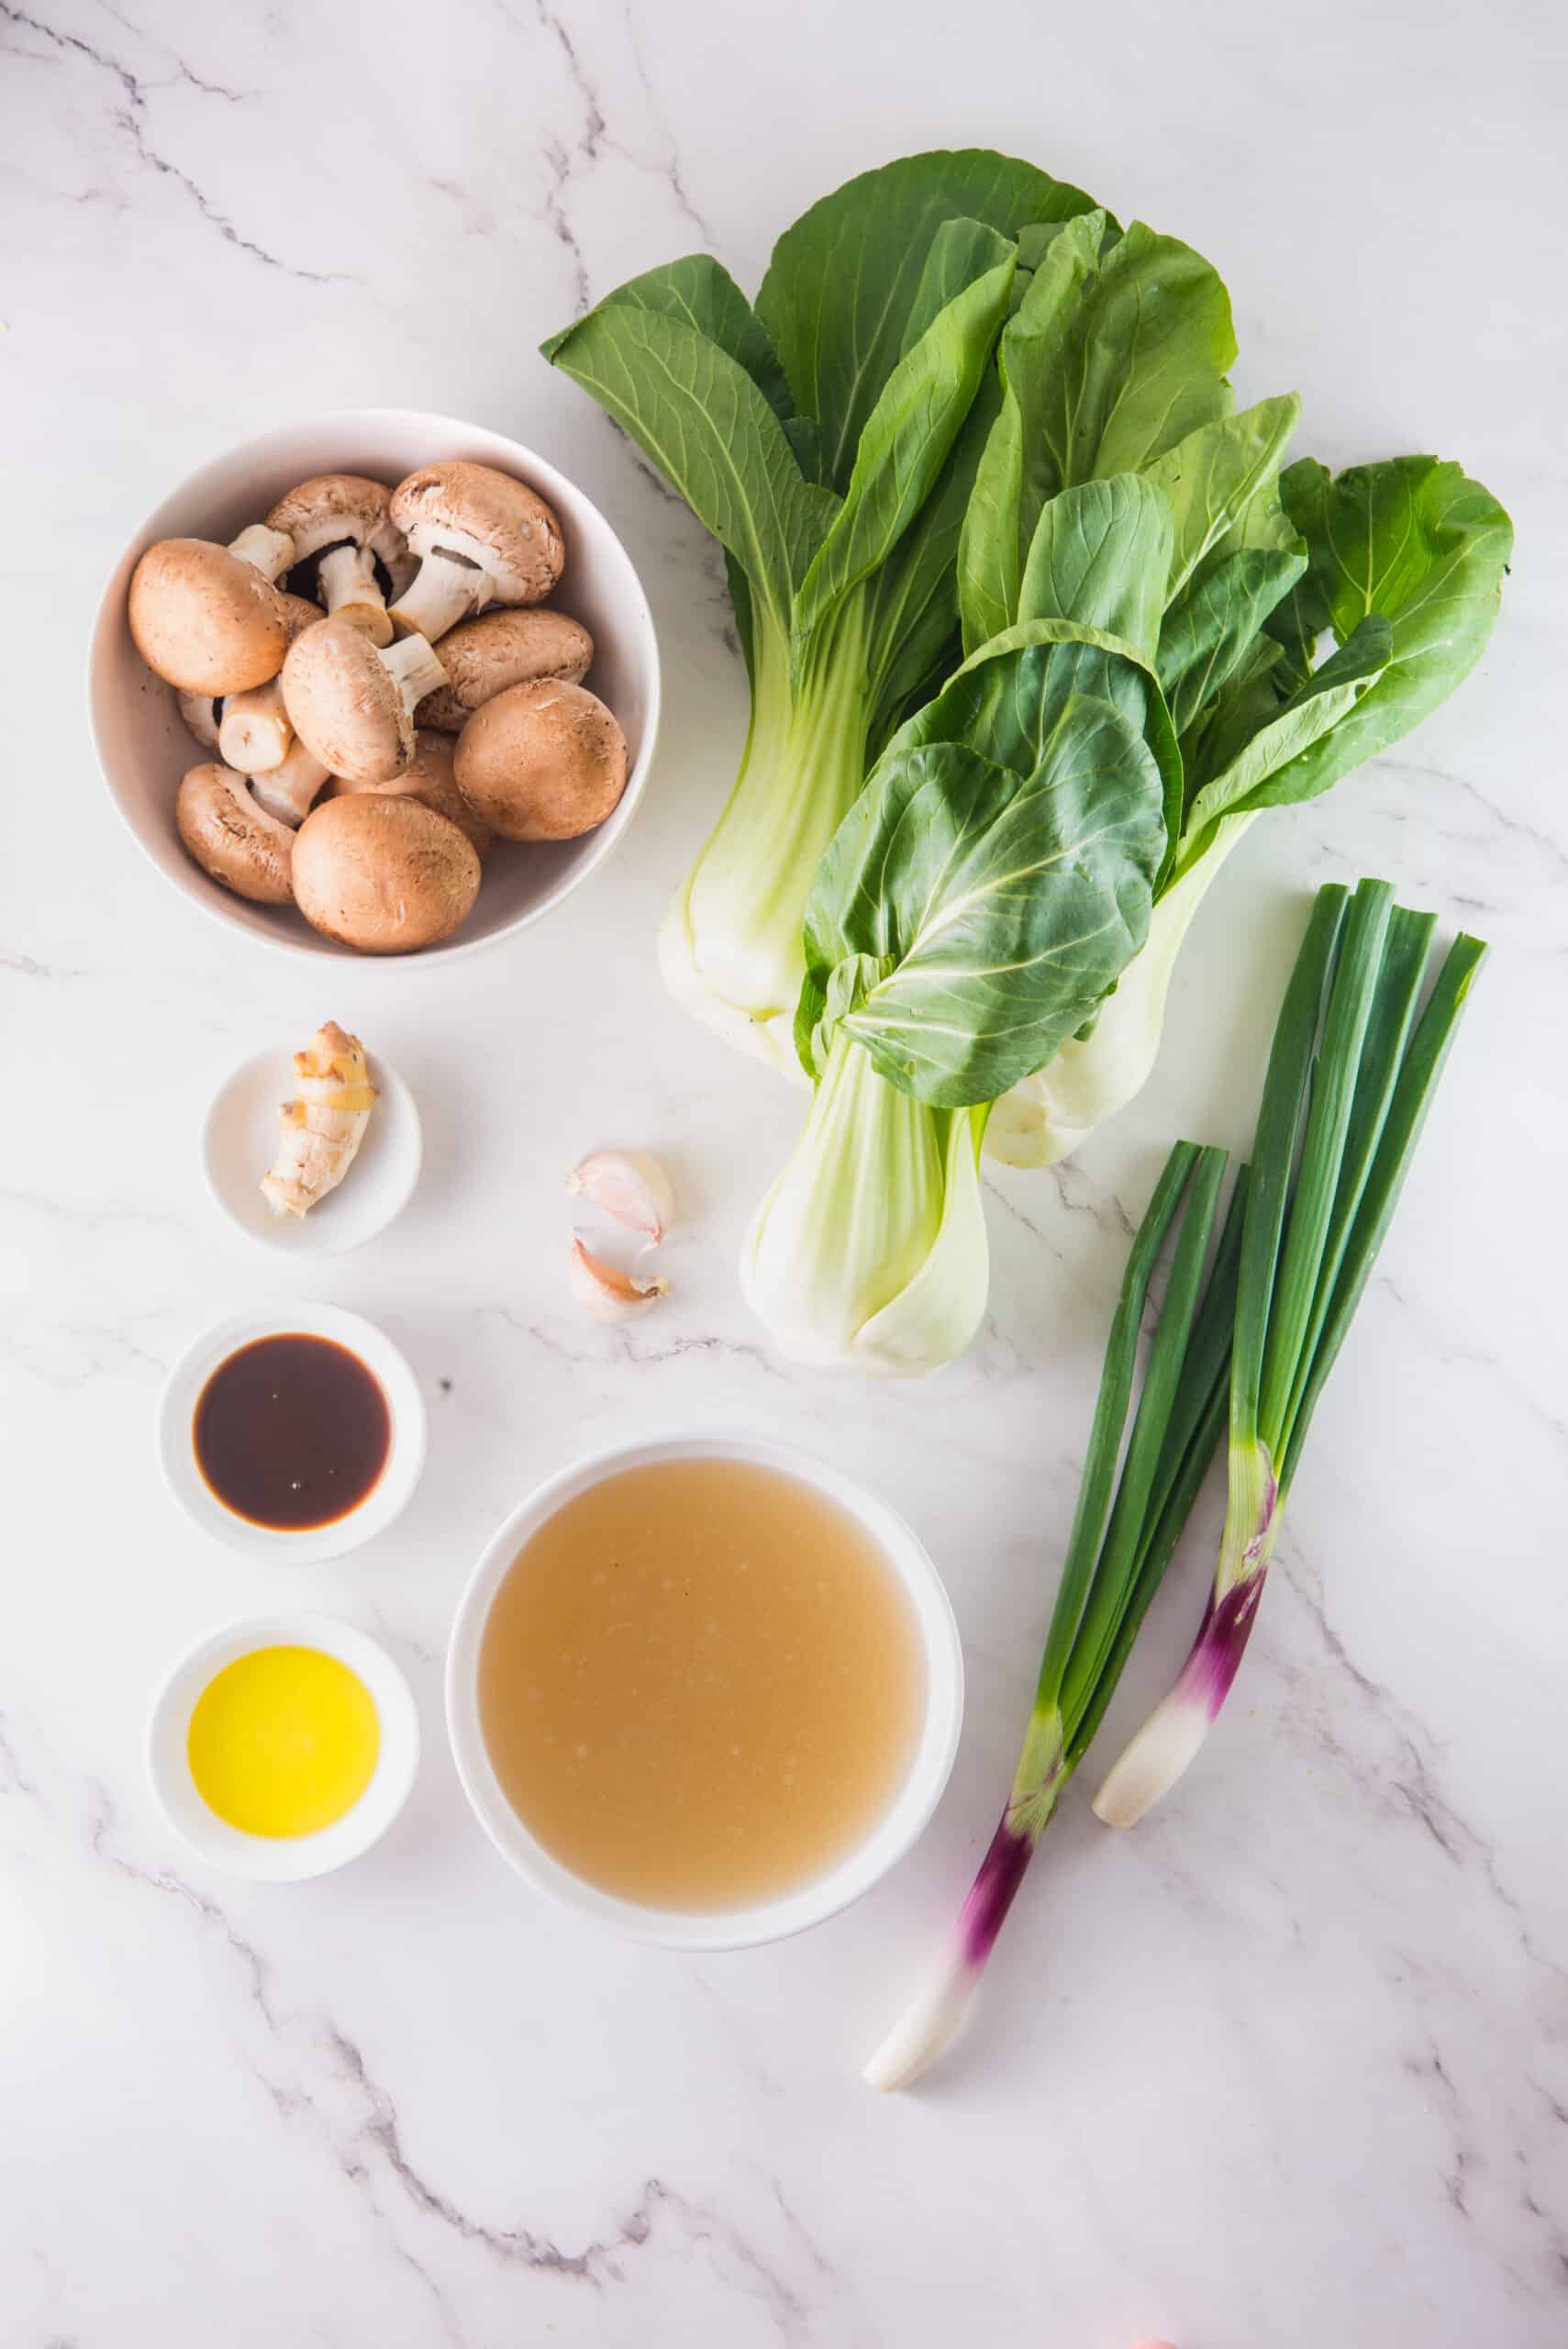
(1402, 564)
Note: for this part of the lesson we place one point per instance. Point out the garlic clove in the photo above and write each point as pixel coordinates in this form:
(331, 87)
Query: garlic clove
(630, 1187)
(607, 1293)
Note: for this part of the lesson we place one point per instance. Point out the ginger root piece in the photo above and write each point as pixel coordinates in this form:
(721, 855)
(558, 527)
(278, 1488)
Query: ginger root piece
(322, 1127)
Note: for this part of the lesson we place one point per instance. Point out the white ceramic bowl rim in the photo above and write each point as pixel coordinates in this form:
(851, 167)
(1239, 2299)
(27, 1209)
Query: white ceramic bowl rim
(387, 1497)
(140, 742)
(273, 1859)
(887, 1841)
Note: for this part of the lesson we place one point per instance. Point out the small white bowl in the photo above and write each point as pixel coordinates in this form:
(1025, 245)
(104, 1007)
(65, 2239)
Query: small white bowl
(306, 1546)
(769, 1921)
(144, 749)
(239, 1138)
(272, 1859)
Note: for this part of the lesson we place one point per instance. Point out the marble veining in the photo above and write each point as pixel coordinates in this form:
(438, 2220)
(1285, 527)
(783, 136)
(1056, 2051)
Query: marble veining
(1290, 2063)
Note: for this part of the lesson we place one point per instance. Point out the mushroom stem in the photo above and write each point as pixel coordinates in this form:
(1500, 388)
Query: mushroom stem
(254, 734)
(415, 667)
(444, 590)
(201, 713)
(351, 591)
(271, 551)
(287, 791)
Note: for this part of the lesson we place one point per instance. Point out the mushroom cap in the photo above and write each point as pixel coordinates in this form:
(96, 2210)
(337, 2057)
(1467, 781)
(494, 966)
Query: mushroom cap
(517, 531)
(204, 619)
(383, 873)
(231, 837)
(331, 509)
(345, 703)
(430, 778)
(299, 613)
(542, 762)
(510, 647)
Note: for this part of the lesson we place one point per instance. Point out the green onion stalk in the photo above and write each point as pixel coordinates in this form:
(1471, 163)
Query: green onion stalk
(1117, 1554)
(1351, 1078)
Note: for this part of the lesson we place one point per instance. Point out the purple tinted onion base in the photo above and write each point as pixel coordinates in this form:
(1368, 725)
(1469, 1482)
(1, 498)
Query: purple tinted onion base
(932, 2020)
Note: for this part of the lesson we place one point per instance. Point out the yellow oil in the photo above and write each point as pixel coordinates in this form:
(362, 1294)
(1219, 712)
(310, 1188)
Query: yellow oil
(284, 1742)
(700, 1684)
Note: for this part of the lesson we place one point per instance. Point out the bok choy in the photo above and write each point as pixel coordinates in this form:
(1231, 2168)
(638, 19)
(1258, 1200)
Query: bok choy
(1350, 1079)
(1402, 563)
(974, 907)
(827, 437)
(1116, 1552)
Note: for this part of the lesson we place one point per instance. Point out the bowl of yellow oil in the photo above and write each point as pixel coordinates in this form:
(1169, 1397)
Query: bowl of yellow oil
(705, 1689)
(284, 1746)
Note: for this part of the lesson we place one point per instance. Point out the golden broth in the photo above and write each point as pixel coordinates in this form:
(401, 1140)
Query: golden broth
(700, 1684)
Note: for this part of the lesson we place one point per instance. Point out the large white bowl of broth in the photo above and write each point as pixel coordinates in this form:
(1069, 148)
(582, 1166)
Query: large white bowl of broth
(704, 1688)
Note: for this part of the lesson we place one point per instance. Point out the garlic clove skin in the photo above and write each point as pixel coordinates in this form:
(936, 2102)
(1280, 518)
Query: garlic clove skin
(607, 1293)
(630, 1187)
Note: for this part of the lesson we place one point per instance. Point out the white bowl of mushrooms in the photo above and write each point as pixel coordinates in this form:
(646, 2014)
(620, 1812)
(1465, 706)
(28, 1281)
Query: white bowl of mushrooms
(376, 683)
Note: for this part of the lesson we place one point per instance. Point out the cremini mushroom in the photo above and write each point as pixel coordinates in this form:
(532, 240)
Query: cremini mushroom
(343, 519)
(544, 762)
(253, 729)
(383, 873)
(482, 657)
(206, 620)
(351, 702)
(482, 538)
(231, 837)
(288, 790)
(428, 777)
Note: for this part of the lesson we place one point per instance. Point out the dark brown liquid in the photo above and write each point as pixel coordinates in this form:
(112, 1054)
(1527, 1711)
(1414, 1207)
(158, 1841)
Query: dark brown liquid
(292, 1431)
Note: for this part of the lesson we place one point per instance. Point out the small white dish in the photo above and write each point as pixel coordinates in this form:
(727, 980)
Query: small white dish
(809, 1904)
(274, 1859)
(239, 1140)
(144, 750)
(304, 1546)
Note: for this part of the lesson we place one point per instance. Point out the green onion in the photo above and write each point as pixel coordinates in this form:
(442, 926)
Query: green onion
(1116, 1552)
(1346, 1094)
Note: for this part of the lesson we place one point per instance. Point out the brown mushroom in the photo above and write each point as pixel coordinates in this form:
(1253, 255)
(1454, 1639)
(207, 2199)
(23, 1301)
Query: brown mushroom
(206, 619)
(482, 538)
(351, 703)
(232, 838)
(383, 873)
(343, 517)
(483, 657)
(430, 778)
(544, 762)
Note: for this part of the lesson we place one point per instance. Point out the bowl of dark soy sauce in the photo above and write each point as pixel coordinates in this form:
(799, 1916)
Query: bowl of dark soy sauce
(297, 1434)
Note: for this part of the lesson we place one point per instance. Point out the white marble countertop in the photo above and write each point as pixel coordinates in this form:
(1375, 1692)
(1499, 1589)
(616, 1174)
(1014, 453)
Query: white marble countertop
(1289, 2066)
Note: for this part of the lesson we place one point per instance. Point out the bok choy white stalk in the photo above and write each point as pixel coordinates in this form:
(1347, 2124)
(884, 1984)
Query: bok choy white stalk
(1117, 1554)
(826, 438)
(1348, 1089)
